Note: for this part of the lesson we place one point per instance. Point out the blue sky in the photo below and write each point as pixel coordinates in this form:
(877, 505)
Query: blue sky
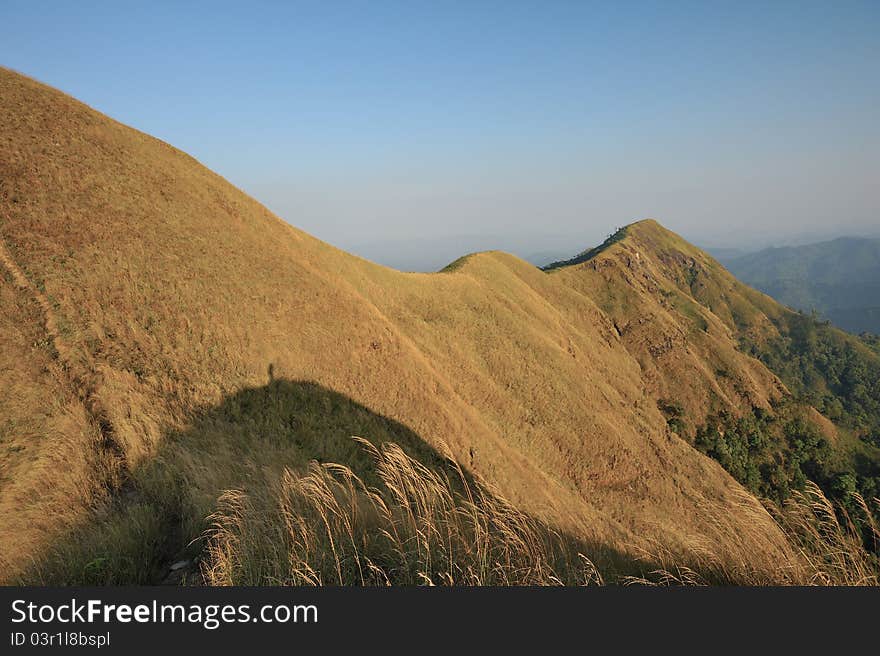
(523, 126)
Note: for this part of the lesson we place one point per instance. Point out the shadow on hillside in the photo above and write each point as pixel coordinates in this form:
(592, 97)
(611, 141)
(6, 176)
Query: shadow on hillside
(243, 443)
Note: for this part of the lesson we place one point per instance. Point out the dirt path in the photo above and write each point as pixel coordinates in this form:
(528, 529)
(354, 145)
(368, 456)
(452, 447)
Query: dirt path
(21, 281)
(83, 383)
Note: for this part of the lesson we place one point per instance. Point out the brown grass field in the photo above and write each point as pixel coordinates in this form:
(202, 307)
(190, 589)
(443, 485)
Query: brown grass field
(182, 372)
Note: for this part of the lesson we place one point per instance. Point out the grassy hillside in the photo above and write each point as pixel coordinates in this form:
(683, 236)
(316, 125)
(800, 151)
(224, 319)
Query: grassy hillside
(170, 347)
(839, 279)
(822, 425)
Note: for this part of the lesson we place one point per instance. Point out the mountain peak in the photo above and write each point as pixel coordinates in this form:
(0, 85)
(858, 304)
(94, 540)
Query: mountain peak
(647, 232)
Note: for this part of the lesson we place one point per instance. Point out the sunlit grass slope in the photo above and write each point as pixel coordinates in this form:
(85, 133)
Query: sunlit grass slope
(164, 339)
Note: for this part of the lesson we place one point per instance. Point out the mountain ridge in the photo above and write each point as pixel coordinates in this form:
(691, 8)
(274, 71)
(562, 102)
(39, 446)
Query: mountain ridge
(836, 278)
(174, 293)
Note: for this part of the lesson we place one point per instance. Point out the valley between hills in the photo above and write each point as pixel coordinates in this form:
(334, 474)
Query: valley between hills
(183, 374)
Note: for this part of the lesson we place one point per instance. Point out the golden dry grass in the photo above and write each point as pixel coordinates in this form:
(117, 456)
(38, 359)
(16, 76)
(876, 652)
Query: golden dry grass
(421, 527)
(830, 541)
(142, 292)
(418, 527)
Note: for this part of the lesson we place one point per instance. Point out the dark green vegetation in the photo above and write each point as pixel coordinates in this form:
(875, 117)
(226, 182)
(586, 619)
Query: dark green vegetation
(840, 279)
(775, 452)
(871, 340)
(832, 371)
(590, 253)
(764, 451)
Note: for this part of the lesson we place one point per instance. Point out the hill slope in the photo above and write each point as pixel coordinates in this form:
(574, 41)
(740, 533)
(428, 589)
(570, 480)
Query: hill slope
(840, 279)
(165, 338)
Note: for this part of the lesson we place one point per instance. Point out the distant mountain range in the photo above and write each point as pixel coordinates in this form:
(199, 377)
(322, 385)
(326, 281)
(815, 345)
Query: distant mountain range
(839, 279)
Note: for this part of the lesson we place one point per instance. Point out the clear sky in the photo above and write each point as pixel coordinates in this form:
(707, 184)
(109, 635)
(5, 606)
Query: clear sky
(387, 127)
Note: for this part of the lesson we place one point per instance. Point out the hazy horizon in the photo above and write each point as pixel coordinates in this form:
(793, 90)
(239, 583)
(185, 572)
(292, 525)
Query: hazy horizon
(523, 127)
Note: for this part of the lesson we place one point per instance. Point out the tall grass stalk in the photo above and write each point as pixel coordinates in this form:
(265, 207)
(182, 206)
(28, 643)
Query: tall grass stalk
(420, 526)
(417, 527)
